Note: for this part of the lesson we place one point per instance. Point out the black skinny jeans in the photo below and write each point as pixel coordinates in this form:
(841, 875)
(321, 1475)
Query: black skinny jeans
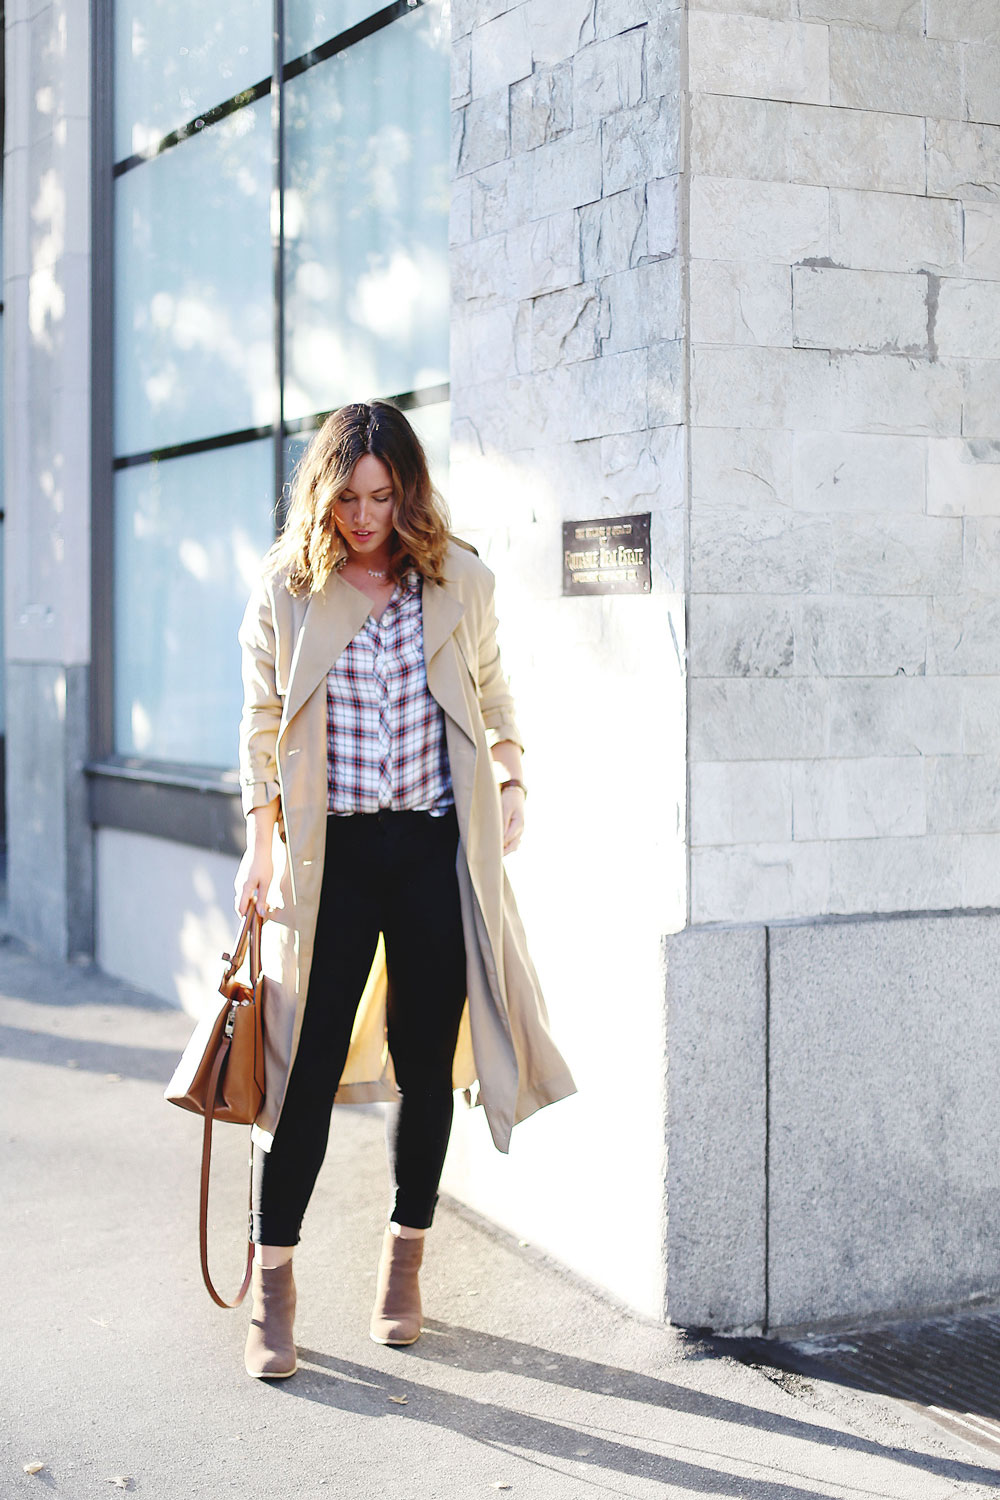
(394, 873)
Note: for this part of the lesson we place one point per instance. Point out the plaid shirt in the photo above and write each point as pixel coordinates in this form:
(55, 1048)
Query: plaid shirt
(385, 738)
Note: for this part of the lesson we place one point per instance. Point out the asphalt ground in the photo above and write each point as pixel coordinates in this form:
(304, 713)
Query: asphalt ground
(118, 1374)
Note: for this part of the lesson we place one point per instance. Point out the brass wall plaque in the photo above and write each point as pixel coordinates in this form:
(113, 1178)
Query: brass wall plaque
(607, 556)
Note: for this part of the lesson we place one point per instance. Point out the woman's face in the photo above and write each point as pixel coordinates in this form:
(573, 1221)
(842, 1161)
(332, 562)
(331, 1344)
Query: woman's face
(363, 514)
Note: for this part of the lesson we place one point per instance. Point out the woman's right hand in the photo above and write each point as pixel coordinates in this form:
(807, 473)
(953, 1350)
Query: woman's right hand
(253, 879)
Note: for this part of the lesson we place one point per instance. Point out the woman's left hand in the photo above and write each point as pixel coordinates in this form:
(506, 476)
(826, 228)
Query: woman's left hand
(512, 809)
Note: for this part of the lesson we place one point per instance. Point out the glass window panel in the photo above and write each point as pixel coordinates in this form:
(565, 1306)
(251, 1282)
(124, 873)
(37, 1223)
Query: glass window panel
(310, 22)
(366, 211)
(295, 446)
(189, 536)
(176, 58)
(194, 288)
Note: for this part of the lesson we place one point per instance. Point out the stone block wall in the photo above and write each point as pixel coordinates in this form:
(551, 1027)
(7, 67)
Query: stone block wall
(567, 303)
(568, 403)
(844, 649)
(833, 1155)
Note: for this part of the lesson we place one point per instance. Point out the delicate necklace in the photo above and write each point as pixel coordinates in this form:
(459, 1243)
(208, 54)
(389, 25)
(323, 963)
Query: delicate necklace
(377, 572)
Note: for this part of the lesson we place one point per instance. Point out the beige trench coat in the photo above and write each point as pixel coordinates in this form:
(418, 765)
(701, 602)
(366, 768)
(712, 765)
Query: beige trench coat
(505, 1059)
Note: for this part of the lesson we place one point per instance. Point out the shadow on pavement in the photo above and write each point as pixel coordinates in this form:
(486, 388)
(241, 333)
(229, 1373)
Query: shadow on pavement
(153, 1064)
(27, 976)
(369, 1390)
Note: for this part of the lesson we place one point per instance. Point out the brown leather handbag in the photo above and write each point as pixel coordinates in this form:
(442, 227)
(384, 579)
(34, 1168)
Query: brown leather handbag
(221, 1072)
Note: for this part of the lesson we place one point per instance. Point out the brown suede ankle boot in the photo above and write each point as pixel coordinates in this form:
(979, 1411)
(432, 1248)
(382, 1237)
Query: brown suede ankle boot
(397, 1311)
(270, 1349)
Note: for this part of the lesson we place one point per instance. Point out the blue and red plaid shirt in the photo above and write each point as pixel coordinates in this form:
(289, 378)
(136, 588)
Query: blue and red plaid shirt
(385, 737)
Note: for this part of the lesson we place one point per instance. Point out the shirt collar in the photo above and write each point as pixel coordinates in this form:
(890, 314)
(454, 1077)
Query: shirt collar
(408, 584)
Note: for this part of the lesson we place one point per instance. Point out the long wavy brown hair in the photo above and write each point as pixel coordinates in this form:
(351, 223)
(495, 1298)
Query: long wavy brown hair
(310, 547)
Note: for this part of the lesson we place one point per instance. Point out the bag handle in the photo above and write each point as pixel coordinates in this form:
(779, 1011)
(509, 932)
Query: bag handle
(250, 932)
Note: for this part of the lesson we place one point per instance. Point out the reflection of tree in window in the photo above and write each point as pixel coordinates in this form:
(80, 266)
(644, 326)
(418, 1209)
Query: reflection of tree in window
(366, 266)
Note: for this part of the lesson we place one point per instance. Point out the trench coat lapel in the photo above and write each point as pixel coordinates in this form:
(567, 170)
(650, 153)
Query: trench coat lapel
(333, 618)
(442, 611)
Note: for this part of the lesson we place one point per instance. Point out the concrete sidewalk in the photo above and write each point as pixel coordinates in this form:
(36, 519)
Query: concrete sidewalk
(115, 1365)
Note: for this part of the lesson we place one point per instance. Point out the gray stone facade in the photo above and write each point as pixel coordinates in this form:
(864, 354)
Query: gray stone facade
(798, 206)
(832, 1130)
(46, 299)
(844, 177)
(845, 489)
(739, 263)
(568, 306)
(568, 401)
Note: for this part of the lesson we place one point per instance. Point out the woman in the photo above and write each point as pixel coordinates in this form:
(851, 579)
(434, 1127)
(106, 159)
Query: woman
(376, 725)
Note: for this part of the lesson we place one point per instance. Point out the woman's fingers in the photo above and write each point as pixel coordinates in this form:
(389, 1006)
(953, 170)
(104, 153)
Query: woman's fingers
(248, 895)
(252, 882)
(513, 829)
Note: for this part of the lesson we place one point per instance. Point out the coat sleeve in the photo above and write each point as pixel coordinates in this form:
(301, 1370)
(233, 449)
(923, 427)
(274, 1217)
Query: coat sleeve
(261, 703)
(495, 698)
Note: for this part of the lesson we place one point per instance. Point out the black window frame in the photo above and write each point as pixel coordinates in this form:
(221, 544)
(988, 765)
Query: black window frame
(185, 803)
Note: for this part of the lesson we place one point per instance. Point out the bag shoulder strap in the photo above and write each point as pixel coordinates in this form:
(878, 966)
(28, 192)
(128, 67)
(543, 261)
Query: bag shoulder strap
(206, 1167)
(249, 933)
